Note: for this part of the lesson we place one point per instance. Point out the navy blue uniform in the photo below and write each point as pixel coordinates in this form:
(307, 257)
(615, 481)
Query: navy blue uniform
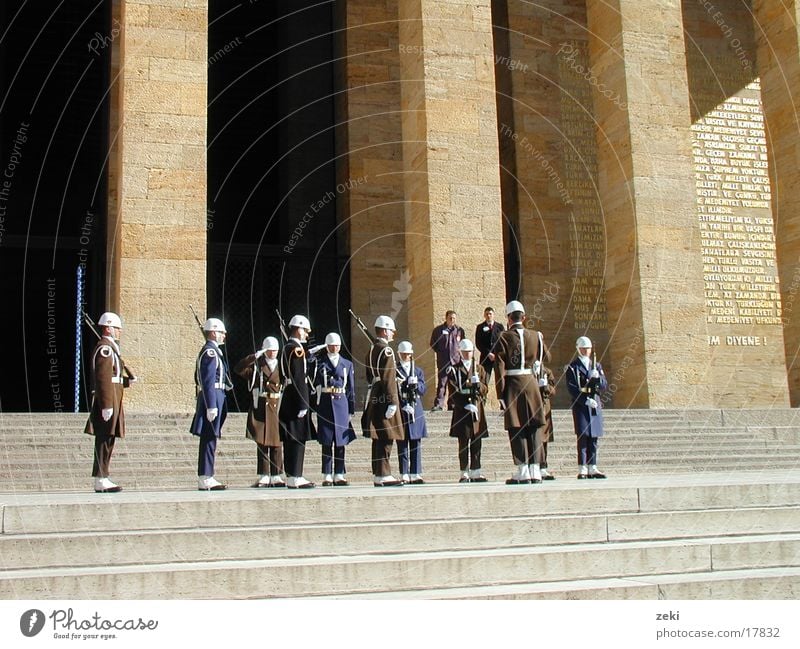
(210, 378)
(588, 421)
(409, 449)
(335, 405)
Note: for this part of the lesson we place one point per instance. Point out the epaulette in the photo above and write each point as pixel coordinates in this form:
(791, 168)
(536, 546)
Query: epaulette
(299, 352)
(210, 352)
(105, 351)
(388, 351)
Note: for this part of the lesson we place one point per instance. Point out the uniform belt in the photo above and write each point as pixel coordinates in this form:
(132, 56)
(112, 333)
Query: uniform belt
(522, 372)
(220, 386)
(271, 395)
(333, 390)
(586, 390)
(116, 379)
(465, 391)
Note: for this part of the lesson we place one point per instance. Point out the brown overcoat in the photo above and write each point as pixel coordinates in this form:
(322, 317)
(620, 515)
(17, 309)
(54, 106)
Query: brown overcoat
(516, 384)
(382, 381)
(108, 384)
(265, 386)
(463, 424)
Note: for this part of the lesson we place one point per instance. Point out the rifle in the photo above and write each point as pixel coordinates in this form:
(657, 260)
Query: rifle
(282, 325)
(129, 376)
(228, 381)
(362, 327)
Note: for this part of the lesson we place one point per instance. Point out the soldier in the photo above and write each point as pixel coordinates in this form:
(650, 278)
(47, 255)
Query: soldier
(336, 403)
(547, 387)
(519, 357)
(585, 381)
(487, 333)
(381, 420)
(106, 418)
(295, 409)
(468, 389)
(212, 381)
(444, 341)
(411, 383)
(262, 373)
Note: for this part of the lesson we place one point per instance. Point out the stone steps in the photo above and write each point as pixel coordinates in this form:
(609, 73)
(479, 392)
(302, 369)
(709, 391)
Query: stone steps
(746, 584)
(637, 536)
(368, 573)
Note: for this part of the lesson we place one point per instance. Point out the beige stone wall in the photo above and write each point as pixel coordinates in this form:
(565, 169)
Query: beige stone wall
(452, 182)
(778, 60)
(654, 284)
(552, 197)
(158, 215)
(369, 142)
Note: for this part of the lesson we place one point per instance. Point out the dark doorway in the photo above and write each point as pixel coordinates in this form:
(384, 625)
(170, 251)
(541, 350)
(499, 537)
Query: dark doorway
(272, 239)
(54, 73)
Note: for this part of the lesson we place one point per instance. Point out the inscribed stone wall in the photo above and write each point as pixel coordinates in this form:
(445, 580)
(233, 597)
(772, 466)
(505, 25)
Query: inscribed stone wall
(742, 288)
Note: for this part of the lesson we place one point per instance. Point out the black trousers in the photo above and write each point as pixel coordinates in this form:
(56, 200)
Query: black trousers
(103, 448)
(293, 455)
(469, 453)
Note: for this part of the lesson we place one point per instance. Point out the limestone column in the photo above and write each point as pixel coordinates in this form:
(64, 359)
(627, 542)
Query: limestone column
(369, 162)
(454, 246)
(157, 210)
(778, 43)
(654, 283)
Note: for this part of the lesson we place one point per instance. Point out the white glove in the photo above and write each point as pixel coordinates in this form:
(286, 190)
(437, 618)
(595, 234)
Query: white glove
(315, 349)
(471, 407)
(543, 382)
(408, 408)
(412, 380)
(211, 414)
(475, 379)
(595, 374)
(106, 413)
(502, 405)
(591, 403)
(260, 353)
(302, 413)
(390, 411)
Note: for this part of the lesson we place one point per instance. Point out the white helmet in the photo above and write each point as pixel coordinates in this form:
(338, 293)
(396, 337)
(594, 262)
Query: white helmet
(514, 306)
(333, 339)
(109, 319)
(405, 347)
(466, 345)
(300, 322)
(583, 341)
(384, 322)
(214, 324)
(270, 343)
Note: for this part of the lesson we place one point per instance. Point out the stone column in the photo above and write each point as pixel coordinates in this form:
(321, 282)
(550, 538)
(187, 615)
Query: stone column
(778, 55)
(453, 223)
(369, 161)
(157, 211)
(654, 283)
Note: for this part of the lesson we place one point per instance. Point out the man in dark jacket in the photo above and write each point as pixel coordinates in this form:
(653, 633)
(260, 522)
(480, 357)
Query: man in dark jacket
(295, 409)
(444, 341)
